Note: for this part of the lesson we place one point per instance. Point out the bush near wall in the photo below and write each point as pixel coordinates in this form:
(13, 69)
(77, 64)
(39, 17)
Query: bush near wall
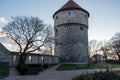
(30, 69)
(112, 61)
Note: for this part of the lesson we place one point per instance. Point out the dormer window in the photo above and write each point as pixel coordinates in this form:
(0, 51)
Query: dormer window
(69, 13)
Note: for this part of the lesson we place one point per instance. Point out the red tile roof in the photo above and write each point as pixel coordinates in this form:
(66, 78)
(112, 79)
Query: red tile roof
(71, 5)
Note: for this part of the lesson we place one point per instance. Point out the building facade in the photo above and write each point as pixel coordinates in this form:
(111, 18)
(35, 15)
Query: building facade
(12, 58)
(71, 33)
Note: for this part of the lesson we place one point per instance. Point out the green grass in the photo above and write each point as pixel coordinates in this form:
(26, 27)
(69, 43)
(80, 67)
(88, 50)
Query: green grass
(4, 71)
(91, 66)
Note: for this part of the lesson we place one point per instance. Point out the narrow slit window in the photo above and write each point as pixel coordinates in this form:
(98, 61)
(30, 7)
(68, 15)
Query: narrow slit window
(56, 17)
(56, 30)
(60, 43)
(85, 16)
(81, 28)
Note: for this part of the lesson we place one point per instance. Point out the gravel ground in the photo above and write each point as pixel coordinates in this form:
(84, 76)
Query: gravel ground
(51, 74)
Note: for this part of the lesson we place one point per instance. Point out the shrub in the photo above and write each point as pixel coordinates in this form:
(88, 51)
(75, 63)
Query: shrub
(30, 69)
(99, 76)
(113, 61)
(22, 69)
(45, 66)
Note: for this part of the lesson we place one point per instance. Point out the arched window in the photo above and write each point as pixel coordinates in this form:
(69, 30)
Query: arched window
(65, 27)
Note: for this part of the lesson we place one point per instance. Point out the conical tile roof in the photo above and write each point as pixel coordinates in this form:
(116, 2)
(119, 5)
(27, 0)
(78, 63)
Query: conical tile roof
(71, 5)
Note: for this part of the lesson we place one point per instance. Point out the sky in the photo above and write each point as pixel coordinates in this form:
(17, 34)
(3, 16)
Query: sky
(104, 20)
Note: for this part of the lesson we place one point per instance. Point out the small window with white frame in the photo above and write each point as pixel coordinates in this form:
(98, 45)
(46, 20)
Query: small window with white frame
(69, 13)
(14, 58)
(30, 58)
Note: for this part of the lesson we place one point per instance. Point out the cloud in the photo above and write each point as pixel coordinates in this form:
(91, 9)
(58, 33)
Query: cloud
(3, 20)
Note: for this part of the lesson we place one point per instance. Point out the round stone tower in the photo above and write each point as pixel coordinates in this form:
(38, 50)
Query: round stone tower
(71, 33)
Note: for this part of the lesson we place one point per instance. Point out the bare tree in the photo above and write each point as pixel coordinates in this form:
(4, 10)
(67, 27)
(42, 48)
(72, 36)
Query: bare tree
(94, 46)
(105, 48)
(29, 33)
(115, 44)
(49, 46)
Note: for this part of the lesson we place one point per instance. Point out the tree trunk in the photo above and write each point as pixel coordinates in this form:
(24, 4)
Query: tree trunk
(22, 58)
(118, 56)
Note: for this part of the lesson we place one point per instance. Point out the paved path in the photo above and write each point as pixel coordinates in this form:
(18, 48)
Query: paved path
(52, 74)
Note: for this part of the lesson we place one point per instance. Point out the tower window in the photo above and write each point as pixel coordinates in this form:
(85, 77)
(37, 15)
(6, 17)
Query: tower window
(56, 30)
(56, 17)
(68, 20)
(65, 27)
(56, 42)
(85, 16)
(60, 43)
(69, 13)
(81, 28)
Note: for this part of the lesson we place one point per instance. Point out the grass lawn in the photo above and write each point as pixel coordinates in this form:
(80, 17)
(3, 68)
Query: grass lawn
(4, 71)
(91, 66)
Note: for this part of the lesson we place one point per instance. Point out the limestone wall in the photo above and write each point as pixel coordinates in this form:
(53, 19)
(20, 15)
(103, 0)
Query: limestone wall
(71, 36)
(72, 16)
(35, 59)
(72, 43)
(4, 54)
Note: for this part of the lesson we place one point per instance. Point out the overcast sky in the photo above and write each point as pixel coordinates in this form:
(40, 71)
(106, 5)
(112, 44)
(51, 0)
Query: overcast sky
(104, 20)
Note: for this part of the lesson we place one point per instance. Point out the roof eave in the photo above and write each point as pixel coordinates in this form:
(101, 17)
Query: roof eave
(67, 9)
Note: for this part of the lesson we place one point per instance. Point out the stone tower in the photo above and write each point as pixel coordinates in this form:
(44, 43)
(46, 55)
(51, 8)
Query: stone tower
(71, 33)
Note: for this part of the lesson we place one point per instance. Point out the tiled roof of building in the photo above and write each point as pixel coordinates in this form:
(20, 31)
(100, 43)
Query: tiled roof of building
(3, 50)
(71, 5)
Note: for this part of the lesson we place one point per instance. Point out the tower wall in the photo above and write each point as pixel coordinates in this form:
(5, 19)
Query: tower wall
(71, 16)
(71, 36)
